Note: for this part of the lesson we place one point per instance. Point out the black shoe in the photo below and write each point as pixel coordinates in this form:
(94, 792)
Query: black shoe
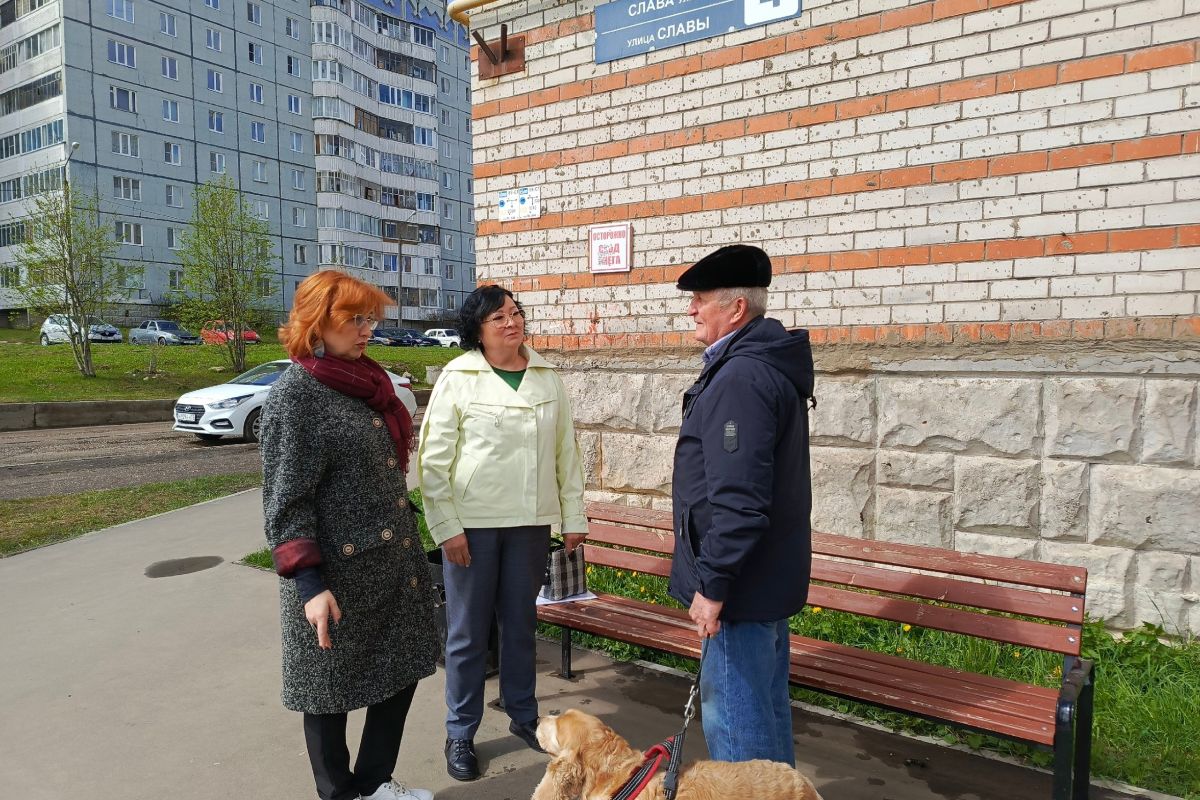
(461, 762)
(527, 733)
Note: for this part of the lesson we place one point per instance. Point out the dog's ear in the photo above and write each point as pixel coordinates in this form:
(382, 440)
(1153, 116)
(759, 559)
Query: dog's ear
(563, 779)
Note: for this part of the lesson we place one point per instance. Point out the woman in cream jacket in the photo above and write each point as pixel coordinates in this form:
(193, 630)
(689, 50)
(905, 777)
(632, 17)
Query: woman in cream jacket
(498, 466)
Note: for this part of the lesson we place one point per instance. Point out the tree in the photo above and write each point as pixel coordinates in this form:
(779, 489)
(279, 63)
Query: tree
(67, 265)
(229, 270)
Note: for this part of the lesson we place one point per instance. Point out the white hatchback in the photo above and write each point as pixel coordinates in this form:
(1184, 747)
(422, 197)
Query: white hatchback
(235, 408)
(59, 328)
(447, 337)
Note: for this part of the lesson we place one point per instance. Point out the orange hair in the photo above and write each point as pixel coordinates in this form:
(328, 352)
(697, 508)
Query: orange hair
(327, 299)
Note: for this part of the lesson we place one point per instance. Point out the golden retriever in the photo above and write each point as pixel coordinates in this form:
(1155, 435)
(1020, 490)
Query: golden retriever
(591, 761)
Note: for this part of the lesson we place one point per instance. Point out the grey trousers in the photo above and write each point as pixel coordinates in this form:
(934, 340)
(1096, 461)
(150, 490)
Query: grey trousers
(506, 572)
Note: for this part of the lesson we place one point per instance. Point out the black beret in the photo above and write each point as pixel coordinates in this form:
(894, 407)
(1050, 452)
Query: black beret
(735, 265)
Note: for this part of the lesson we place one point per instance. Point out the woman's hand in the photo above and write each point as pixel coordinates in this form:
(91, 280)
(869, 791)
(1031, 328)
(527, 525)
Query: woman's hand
(318, 611)
(456, 551)
(572, 541)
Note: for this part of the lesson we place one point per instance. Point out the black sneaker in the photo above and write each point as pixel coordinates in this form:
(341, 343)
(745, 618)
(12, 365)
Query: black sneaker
(461, 763)
(527, 733)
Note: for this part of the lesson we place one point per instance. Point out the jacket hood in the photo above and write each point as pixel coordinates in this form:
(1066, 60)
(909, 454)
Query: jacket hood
(766, 340)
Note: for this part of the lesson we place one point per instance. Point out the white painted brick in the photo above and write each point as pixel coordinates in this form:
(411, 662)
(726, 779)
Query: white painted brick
(831, 243)
(1111, 174)
(906, 138)
(906, 314)
(1088, 22)
(1022, 35)
(972, 312)
(929, 234)
(1160, 304)
(1171, 76)
(991, 146)
(937, 193)
(1029, 120)
(1019, 206)
(1094, 263)
(1187, 190)
(1051, 96)
(992, 229)
(1019, 310)
(1187, 258)
(883, 276)
(908, 216)
(879, 123)
(933, 115)
(1082, 286)
(859, 221)
(959, 47)
(995, 19)
(1028, 288)
(818, 316)
(1051, 138)
(1082, 112)
(1045, 9)
(889, 198)
(882, 42)
(956, 212)
(1188, 120)
(1130, 14)
(866, 315)
(1191, 282)
(929, 273)
(991, 106)
(1053, 52)
(1114, 130)
(985, 271)
(841, 279)
(1110, 219)
(1149, 283)
(991, 63)
(1175, 167)
(1080, 200)
(815, 299)
(856, 297)
(960, 292)
(1092, 307)
(1117, 86)
(1043, 267)
(1046, 225)
(1149, 103)
(874, 240)
(907, 294)
(988, 187)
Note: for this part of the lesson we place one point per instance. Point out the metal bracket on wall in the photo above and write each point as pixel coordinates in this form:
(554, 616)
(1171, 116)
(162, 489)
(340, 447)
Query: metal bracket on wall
(502, 57)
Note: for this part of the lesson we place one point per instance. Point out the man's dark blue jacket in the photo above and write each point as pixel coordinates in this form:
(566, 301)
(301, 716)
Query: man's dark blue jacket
(742, 492)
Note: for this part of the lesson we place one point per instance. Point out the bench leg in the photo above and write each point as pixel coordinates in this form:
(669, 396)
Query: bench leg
(565, 639)
(1064, 752)
(1073, 732)
(1083, 740)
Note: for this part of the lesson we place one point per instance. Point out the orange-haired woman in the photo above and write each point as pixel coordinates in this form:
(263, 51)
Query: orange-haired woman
(355, 599)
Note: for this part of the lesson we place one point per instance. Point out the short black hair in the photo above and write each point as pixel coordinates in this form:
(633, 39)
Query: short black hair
(478, 306)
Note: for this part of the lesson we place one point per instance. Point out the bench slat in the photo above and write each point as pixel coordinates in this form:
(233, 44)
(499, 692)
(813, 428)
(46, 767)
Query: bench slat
(990, 704)
(1055, 638)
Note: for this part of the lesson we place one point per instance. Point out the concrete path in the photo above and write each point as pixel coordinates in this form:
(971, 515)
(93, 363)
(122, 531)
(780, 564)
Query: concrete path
(119, 686)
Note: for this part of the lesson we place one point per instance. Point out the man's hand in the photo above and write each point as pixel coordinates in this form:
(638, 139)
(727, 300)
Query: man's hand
(573, 540)
(318, 611)
(456, 551)
(705, 613)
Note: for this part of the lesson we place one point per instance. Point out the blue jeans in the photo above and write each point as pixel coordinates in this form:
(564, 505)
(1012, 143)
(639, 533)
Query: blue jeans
(744, 699)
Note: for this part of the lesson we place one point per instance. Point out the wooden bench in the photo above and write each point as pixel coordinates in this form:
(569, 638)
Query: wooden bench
(1014, 601)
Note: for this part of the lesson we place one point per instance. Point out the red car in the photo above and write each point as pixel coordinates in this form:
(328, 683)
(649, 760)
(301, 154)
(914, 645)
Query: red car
(217, 332)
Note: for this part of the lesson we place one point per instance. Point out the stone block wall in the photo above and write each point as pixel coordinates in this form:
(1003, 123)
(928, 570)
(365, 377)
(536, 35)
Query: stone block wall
(1065, 458)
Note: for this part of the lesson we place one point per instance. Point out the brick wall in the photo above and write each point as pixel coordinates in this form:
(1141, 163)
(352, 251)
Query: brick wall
(986, 213)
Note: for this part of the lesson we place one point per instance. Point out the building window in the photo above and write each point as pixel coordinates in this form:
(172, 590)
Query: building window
(170, 68)
(423, 36)
(125, 144)
(447, 148)
(423, 136)
(254, 13)
(451, 301)
(120, 9)
(447, 211)
(174, 198)
(129, 232)
(470, 213)
(294, 103)
(260, 171)
(291, 27)
(216, 163)
(297, 142)
(300, 253)
(213, 3)
(256, 93)
(127, 188)
(261, 209)
(216, 121)
(122, 99)
(445, 85)
(122, 53)
(175, 276)
(299, 217)
(293, 66)
(298, 179)
(265, 287)
(448, 241)
(166, 23)
(447, 180)
(445, 54)
(172, 153)
(445, 116)
(449, 272)
(470, 185)
(173, 243)
(216, 81)
(212, 39)
(256, 53)
(467, 120)
(171, 110)
(258, 132)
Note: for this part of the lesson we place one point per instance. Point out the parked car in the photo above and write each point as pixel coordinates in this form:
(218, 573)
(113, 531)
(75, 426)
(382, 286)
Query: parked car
(59, 328)
(418, 339)
(220, 332)
(235, 408)
(446, 337)
(401, 337)
(163, 331)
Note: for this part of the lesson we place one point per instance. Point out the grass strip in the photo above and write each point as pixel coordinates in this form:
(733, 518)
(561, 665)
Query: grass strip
(34, 522)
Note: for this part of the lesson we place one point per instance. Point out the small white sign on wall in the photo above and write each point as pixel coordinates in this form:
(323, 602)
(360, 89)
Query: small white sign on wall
(610, 247)
(523, 203)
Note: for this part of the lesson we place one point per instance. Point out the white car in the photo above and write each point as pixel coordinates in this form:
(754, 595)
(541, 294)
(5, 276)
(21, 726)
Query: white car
(58, 328)
(447, 337)
(235, 408)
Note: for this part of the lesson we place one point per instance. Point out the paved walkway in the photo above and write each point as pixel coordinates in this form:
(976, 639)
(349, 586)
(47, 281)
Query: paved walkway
(115, 685)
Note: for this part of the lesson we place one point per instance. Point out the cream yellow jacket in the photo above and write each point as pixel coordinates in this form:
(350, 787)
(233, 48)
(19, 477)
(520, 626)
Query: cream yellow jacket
(491, 457)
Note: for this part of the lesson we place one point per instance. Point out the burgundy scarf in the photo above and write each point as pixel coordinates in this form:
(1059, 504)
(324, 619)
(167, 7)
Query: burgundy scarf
(366, 380)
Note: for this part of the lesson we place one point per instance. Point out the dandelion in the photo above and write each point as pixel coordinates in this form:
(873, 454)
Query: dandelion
(816, 609)
(589, 570)
(635, 574)
(906, 628)
(899, 649)
(1016, 654)
(642, 589)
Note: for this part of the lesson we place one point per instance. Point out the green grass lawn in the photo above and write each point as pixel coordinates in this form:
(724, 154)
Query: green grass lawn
(32, 373)
(38, 521)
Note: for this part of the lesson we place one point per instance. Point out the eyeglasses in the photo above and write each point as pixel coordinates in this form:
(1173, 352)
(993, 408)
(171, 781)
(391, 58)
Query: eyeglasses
(501, 320)
(364, 320)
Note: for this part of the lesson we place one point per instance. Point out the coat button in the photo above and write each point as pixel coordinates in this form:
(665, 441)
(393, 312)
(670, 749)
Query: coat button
(377, 422)
(348, 549)
(391, 463)
(412, 582)
(407, 542)
(387, 534)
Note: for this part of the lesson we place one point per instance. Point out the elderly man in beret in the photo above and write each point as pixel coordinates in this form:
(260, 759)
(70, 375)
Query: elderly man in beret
(742, 497)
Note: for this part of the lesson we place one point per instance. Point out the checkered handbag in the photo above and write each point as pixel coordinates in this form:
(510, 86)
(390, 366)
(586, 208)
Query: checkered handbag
(566, 575)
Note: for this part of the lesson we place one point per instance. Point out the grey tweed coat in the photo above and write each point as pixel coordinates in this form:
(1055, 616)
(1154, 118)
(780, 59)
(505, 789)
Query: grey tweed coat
(330, 472)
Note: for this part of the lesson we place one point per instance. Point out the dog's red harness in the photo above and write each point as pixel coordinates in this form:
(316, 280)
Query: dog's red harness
(664, 750)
